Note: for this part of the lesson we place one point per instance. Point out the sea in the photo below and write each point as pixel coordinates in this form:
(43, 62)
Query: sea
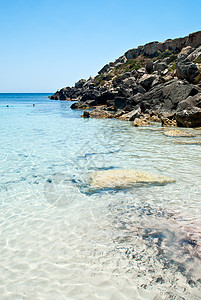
(60, 239)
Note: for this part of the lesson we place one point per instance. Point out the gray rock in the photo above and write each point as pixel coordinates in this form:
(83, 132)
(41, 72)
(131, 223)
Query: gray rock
(80, 83)
(141, 71)
(165, 72)
(195, 54)
(120, 102)
(134, 73)
(90, 94)
(118, 64)
(147, 80)
(133, 53)
(122, 59)
(166, 96)
(159, 66)
(107, 95)
(188, 113)
(185, 69)
(194, 39)
(149, 66)
(131, 115)
(131, 81)
(125, 75)
(151, 49)
(100, 112)
(118, 80)
(185, 52)
(83, 104)
(104, 69)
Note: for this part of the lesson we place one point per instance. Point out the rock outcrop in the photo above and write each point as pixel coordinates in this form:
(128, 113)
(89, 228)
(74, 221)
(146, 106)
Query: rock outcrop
(159, 79)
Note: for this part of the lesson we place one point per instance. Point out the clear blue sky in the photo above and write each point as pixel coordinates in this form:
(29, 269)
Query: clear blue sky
(48, 44)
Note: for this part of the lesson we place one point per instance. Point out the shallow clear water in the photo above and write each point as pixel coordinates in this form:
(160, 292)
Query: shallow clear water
(59, 240)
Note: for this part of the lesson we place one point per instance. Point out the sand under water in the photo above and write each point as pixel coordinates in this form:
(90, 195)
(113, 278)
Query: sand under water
(60, 239)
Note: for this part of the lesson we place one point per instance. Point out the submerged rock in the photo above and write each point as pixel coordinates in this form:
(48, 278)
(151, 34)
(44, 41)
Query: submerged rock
(86, 114)
(177, 133)
(188, 142)
(111, 179)
(166, 122)
(140, 122)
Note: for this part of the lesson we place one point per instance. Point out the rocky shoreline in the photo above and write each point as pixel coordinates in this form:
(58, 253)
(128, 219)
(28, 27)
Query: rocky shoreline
(156, 82)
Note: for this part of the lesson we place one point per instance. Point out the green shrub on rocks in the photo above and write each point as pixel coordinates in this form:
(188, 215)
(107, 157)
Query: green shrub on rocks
(198, 78)
(132, 64)
(99, 80)
(172, 68)
(198, 60)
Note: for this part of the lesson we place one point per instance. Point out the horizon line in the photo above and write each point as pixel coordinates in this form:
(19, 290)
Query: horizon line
(27, 92)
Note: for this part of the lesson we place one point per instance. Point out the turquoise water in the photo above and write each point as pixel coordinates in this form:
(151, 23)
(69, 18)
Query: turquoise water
(60, 240)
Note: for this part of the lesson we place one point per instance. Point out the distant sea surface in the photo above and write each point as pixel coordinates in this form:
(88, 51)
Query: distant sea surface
(61, 240)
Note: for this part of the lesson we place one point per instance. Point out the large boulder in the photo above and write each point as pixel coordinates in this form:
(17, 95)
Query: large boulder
(194, 39)
(185, 69)
(90, 94)
(147, 81)
(149, 66)
(130, 81)
(159, 66)
(107, 95)
(188, 113)
(133, 53)
(174, 92)
(185, 52)
(165, 97)
(80, 83)
(83, 104)
(151, 49)
(119, 79)
(177, 90)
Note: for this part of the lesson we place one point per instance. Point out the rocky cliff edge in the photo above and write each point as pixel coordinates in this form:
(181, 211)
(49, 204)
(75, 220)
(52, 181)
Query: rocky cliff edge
(157, 81)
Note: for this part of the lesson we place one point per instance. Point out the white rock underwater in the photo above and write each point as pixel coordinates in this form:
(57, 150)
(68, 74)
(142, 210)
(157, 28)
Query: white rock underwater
(125, 179)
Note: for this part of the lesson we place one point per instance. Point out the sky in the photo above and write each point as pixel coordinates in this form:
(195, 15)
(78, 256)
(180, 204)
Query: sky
(49, 44)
